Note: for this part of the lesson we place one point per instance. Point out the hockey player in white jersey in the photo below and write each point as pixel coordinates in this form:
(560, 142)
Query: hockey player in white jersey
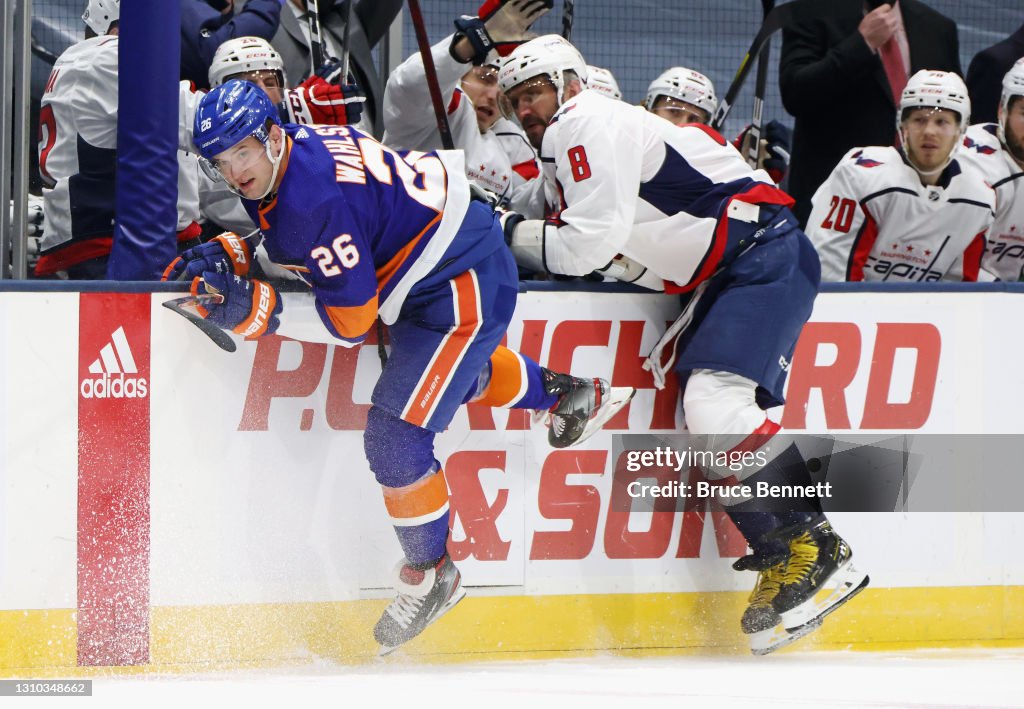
(639, 195)
(682, 96)
(78, 154)
(315, 100)
(997, 151)
(910, 214)
(499, 159)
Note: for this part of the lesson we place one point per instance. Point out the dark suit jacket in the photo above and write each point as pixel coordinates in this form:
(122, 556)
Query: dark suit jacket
(986, 72)
(203, 29)
(836, 88)
(371, 19)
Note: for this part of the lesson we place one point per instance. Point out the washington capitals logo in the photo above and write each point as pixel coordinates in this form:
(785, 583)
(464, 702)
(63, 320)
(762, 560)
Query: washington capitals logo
(983, 149)
(863, 161)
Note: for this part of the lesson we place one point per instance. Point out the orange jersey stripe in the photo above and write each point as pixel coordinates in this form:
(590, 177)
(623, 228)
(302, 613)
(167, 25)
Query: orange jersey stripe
(385, 272)
(353, 321)
(423, 497)
(449, 354)
(506, 383)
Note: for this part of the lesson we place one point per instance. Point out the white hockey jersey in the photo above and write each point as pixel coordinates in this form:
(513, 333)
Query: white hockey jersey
(1004, 250)
(501, 160)
(78, 157)
(628, 182)
(873, 220)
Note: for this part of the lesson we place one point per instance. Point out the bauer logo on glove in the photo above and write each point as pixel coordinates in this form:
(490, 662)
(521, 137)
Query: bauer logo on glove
(227, 253)
(249, 307)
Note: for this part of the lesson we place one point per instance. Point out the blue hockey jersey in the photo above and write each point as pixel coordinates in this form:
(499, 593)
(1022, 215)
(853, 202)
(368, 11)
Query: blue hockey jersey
(361, 223)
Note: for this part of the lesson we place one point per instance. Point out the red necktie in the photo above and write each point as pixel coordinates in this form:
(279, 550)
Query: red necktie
(895, 70)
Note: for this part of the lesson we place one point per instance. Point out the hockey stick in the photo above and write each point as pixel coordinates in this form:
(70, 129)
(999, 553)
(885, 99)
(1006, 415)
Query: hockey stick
(752, 147)
(431, 72)
(316, 44)
(345, 54)
(776, 20)
(185, 307)
(568, 12)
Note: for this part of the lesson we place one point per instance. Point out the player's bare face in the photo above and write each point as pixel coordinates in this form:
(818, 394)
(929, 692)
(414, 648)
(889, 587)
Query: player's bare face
(678, 112)
(245, 167)
(269, 81)
(481, 86)
(930, 134)
(534, 102)
(1013, 129)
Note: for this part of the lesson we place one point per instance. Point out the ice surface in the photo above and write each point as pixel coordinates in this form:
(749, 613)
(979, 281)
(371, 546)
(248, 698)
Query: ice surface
(916, 679)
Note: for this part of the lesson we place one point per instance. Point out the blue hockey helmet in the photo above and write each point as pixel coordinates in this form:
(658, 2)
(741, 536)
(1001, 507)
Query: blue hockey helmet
(229, 114)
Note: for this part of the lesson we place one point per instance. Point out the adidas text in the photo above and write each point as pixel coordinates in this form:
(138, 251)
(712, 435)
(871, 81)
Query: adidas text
(114, 387)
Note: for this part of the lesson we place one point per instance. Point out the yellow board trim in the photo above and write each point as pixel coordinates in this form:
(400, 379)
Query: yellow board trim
(189, 639)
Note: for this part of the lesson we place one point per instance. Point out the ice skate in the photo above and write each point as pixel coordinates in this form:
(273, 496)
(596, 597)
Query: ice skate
(424, 595)
(583, 407)
(819, 577)
(760, 621)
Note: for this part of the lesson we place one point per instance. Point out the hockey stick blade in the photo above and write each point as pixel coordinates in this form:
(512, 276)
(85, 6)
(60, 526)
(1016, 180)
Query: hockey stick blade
(776, 20)
(568, 15)
(181, 307)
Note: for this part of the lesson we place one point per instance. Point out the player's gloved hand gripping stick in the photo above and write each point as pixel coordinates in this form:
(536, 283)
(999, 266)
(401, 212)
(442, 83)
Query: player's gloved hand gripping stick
(226, 254)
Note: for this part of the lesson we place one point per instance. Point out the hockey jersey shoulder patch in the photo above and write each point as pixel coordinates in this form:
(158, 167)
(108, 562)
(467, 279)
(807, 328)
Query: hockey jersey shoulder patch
(979, 148)
(859, 158)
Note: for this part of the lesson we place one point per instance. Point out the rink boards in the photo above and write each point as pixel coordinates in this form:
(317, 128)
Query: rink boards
(167, 503)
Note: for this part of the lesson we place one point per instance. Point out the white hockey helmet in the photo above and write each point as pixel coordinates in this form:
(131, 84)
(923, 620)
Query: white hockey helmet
(603, 81)
(935, 89)
(244, 54)
(101, 14)
(1013, 85)
(683, 84)
(550, 55)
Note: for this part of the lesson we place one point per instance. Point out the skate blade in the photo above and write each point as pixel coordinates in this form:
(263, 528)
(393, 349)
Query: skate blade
(460, 593)
(844, 584)
(617, 398)
(768, 641)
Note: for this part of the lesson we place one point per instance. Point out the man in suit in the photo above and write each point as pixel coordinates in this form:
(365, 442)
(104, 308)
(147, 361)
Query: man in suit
(842, 70)
(370, 22)
(206, 24)
(986, 72)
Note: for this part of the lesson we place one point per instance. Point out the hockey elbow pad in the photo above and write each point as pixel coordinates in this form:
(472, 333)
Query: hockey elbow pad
(525, 237)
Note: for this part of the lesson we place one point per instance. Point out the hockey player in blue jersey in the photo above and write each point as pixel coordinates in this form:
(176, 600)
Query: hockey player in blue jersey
(376, 233)
(678, 209)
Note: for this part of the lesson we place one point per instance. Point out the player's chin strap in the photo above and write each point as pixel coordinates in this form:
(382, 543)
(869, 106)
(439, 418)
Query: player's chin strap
(275, 163)
(928, 173)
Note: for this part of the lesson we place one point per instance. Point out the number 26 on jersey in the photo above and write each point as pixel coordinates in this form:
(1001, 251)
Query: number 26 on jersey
(342, 254)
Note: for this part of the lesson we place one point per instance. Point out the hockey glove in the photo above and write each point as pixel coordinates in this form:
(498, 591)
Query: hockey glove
(622, 268)
(318, 100)
(773, 152)
(508, 21)
(227, 253)
(500, 25)
(779, 138)
(250, 307)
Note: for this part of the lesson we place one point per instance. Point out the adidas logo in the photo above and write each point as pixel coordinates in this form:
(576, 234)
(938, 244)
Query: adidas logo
(113, 373)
